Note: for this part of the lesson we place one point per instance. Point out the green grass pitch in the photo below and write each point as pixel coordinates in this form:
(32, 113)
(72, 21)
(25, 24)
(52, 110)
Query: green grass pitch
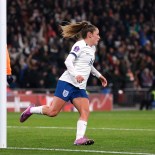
(115, 132)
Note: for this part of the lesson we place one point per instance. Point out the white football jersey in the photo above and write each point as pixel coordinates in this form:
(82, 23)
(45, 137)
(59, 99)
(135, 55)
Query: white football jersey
(84, 58)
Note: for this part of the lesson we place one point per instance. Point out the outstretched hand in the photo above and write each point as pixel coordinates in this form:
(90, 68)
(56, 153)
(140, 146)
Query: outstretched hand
(103, 81)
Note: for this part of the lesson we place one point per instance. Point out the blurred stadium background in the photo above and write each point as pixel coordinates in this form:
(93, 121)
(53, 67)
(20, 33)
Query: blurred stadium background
(125, 54)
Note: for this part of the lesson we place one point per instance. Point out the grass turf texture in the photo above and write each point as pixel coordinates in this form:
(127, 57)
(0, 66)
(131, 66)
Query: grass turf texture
(115, 132)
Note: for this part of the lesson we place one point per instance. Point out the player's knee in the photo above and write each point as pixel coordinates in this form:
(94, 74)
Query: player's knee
(53, 113)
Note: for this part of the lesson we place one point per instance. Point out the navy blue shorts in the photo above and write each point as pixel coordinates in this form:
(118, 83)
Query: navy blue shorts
(68, 92)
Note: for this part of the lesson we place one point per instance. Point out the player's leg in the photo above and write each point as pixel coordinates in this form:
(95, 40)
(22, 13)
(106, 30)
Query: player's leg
(51, 110)
(55, 107)
(82, 105)
(61, 96)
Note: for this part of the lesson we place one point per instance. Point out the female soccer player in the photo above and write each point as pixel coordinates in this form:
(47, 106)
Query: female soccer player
(71, 85)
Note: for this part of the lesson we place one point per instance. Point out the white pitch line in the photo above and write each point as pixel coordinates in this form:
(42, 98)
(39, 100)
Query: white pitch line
(72, 128)
(89, 151)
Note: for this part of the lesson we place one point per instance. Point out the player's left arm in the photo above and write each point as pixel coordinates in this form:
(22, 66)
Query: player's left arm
(99, 76)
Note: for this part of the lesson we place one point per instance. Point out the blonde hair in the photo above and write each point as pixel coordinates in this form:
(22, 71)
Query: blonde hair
(77, 30)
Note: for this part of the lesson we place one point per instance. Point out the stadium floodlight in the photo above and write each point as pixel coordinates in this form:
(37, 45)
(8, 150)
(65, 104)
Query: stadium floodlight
(3, 128)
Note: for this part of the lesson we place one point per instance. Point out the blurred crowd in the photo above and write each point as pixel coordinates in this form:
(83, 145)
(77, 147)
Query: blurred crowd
(125, 54)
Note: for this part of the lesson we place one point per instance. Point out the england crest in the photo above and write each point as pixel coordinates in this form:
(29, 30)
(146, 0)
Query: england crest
(65, 93)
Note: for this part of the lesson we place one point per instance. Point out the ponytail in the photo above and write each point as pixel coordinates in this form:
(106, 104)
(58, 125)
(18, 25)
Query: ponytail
(77, 30)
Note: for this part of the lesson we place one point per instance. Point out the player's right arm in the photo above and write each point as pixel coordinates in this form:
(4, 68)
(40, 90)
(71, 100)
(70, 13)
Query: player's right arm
(71, 69)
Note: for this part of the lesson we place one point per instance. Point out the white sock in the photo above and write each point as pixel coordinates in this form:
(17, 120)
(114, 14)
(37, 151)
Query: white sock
(81, 129)
(36, 110)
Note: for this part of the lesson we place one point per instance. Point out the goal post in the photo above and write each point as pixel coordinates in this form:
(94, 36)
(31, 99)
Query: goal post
(3, 107)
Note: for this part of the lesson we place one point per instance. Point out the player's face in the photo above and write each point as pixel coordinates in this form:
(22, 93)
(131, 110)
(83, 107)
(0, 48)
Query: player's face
(95, 37)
